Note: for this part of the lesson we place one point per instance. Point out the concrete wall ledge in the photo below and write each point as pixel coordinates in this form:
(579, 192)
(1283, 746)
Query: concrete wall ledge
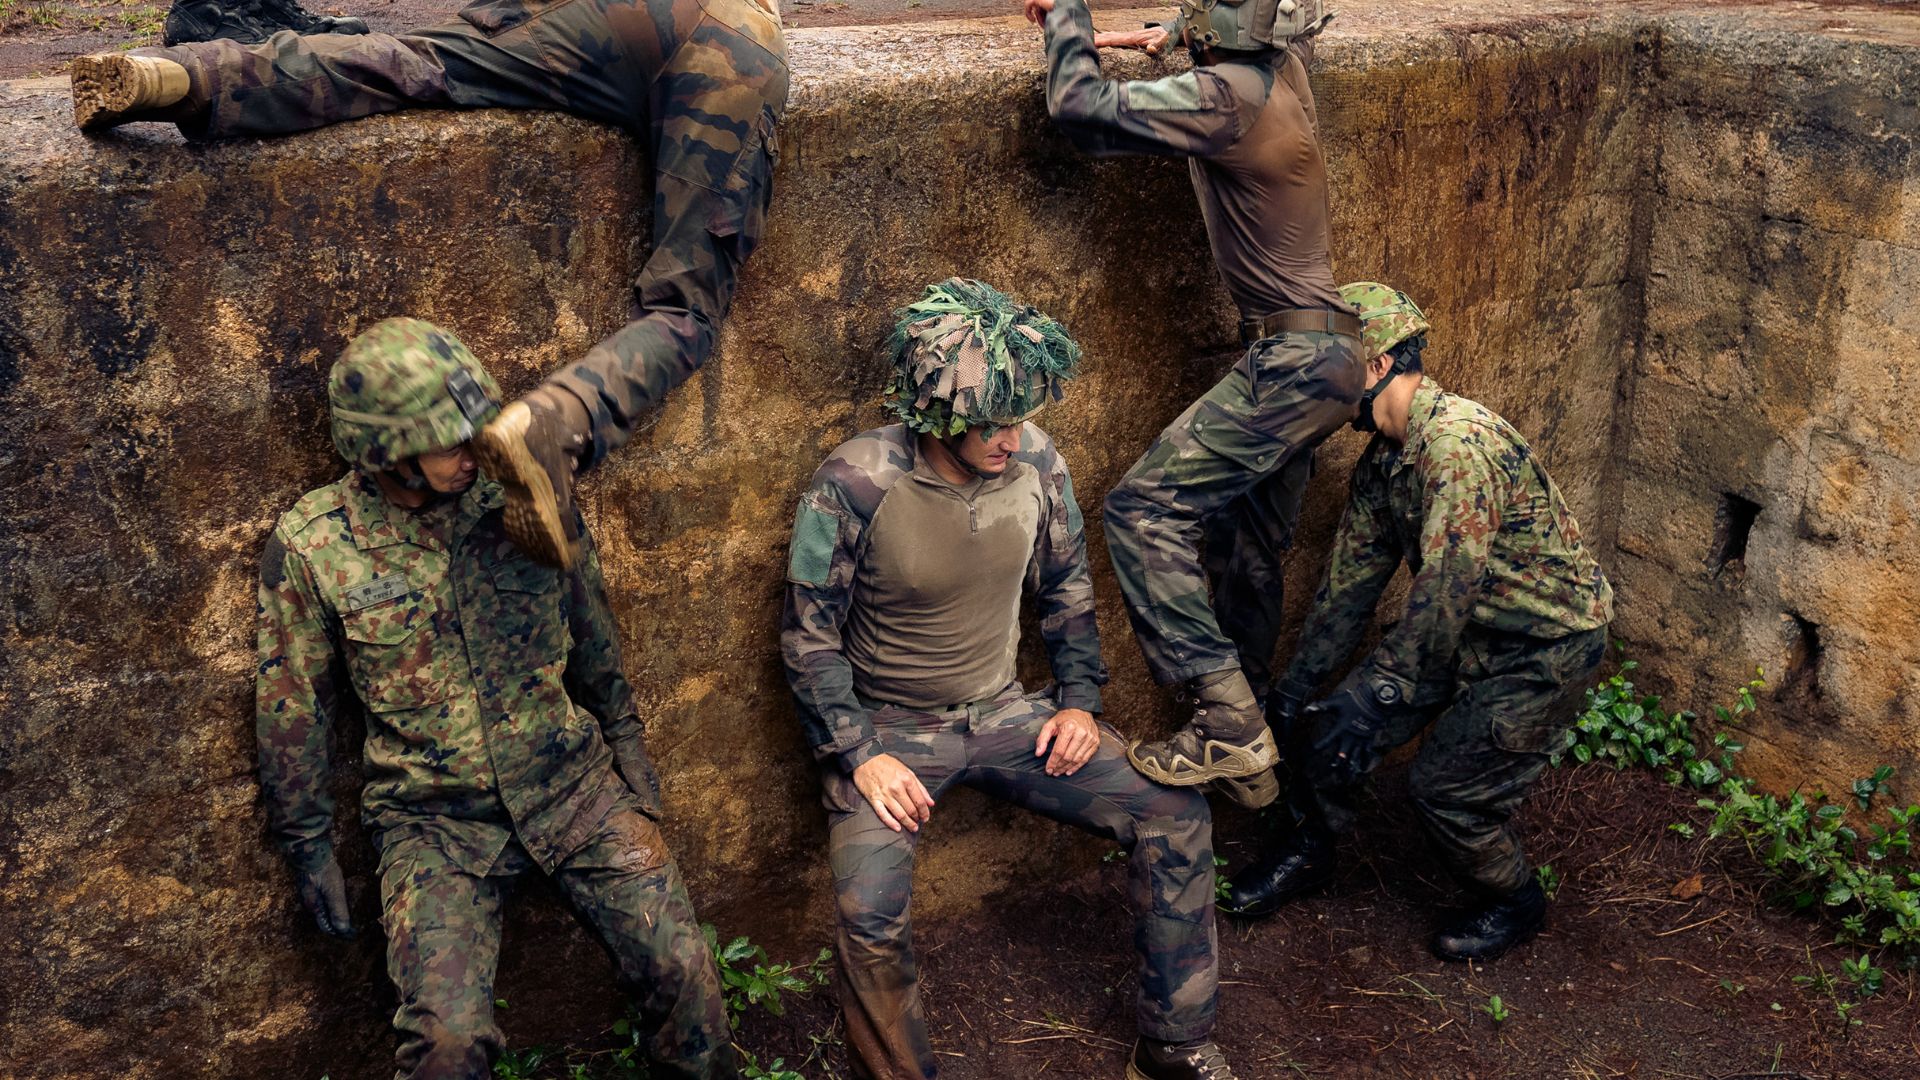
(1670, 241)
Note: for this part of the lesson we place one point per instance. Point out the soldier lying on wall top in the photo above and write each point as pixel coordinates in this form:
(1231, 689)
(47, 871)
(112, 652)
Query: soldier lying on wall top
(700, 82)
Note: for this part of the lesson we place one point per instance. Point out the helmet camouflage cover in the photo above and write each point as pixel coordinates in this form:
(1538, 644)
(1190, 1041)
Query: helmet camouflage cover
(1247, 25)
(405, 387)
(966, 353)
(1387, 315)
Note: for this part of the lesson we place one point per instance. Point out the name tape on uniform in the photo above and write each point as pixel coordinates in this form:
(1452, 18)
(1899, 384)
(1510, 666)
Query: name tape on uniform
(377, 591)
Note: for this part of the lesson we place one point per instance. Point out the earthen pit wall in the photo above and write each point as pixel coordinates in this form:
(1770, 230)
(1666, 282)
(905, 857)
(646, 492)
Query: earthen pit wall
(167, 314)
(1778, 369)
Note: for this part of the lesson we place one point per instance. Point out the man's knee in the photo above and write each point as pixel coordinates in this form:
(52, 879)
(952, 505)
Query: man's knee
(874, 918)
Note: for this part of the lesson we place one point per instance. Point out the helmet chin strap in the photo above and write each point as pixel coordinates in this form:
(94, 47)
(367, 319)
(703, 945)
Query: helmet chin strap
(1364, 420)
(408, 475)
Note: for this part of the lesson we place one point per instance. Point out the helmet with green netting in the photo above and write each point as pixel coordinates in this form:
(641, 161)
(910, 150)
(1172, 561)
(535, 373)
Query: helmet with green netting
(1247, 25)
(1387, 315)
(405, 387)
(967, 353)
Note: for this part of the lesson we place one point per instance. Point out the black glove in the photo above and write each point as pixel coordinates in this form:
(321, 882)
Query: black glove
(636, 768)
(324, 890)
(1354, 719)
(1283, 706)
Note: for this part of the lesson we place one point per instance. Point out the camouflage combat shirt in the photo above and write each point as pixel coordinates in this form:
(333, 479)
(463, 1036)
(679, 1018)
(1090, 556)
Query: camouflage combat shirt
(1470, 509)
(487, 680)
(1248, 130)
(836, 579)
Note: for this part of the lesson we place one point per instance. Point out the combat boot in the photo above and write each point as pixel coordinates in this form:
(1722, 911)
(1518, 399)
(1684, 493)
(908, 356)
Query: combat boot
(114, 88)
(532, 449)
(248, 22)
(1249, 792)
(1196, 1060)
(1508, 920)
(1227, 738)
(1300, 859)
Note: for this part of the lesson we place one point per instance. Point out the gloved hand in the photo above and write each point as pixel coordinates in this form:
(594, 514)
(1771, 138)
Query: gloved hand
(636, 768)
(1353, 719)
(1283, 707)
(324, 890)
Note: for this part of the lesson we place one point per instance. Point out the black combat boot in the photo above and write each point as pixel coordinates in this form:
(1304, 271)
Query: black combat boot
(248, 22)
(1299, 859)
(1505, 922)
(1196, 1060)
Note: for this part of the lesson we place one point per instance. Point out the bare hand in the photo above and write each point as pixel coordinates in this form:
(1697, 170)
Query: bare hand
(894, 792)
(1074, 736)
(1151, 40)
(1036, 11)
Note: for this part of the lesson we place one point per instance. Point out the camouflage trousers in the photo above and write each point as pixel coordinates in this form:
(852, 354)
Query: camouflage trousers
(702, 82)
(1215, 500)
(989, 746)
(1508, 712)
(443, 944)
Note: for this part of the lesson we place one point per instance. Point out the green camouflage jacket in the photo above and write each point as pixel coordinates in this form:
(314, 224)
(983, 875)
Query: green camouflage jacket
(1469, 508)
(491, 685)
(825, 558)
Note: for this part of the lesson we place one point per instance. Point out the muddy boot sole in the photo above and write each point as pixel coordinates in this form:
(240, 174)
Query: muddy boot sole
(1217, 761)
(108, 90)
(532, 515)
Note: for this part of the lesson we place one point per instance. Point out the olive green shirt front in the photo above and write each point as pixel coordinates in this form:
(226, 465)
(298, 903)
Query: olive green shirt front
(936, 602)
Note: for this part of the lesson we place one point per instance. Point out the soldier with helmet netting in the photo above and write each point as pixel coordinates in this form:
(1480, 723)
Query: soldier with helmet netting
(501, 734)
(912, 550)
(1198, 529)
(1506, 613)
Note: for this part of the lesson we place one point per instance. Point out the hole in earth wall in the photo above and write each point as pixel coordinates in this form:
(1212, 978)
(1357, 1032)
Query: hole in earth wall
(1732, 525)
(1800, 676)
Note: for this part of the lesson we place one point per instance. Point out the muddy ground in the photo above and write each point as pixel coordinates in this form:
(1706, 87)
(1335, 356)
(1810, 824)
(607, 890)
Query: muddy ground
(1661, 958)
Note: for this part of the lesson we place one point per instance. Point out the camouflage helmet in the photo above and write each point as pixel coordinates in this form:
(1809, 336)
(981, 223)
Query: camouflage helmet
(1247, 25)
(1387, 315)
(405, 387)
(966, 353)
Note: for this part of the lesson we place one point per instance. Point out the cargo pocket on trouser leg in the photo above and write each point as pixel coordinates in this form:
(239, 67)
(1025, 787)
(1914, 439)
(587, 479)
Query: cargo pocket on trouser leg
(1173, 931)
(739, 217)
(496, 17)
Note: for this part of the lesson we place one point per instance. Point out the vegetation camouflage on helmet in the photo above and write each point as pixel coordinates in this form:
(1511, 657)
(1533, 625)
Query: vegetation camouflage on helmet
(406, 387)
(1387, 315)
(967, 353)
(1247, 25)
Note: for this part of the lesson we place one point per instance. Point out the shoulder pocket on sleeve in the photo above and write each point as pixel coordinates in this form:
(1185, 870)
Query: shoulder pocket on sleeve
(815, 534)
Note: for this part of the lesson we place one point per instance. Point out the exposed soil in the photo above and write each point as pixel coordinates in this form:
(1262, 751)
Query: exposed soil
(1661, 959)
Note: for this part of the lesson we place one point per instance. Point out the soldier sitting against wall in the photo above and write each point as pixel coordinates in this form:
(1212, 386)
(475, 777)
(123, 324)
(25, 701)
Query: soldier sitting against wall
(1507, 611)
(701, 83)
(911, 550)
(500, 732)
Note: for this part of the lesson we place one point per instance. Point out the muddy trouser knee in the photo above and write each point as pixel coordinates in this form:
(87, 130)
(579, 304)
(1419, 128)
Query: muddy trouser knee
(624, 886)
(1284, 398)
(443, 945)
(707, 114)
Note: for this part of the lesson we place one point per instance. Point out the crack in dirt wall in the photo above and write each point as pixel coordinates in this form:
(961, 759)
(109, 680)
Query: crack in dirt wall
(1573, 198)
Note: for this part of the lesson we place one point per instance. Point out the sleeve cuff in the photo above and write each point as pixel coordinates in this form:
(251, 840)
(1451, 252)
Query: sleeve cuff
(1083, 696)
(861, 754)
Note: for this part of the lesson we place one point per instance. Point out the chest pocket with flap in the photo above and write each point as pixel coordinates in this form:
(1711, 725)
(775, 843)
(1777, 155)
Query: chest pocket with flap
(391, 657)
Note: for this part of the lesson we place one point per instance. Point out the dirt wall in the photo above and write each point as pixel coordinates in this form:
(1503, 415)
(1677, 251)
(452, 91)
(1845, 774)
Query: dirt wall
(1772, 469)
(167, 314)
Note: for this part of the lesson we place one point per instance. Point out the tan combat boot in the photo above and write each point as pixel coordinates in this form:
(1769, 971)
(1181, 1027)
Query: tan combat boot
(1227, 739)
(531, 449)
(109, 88)
(1251, 792)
